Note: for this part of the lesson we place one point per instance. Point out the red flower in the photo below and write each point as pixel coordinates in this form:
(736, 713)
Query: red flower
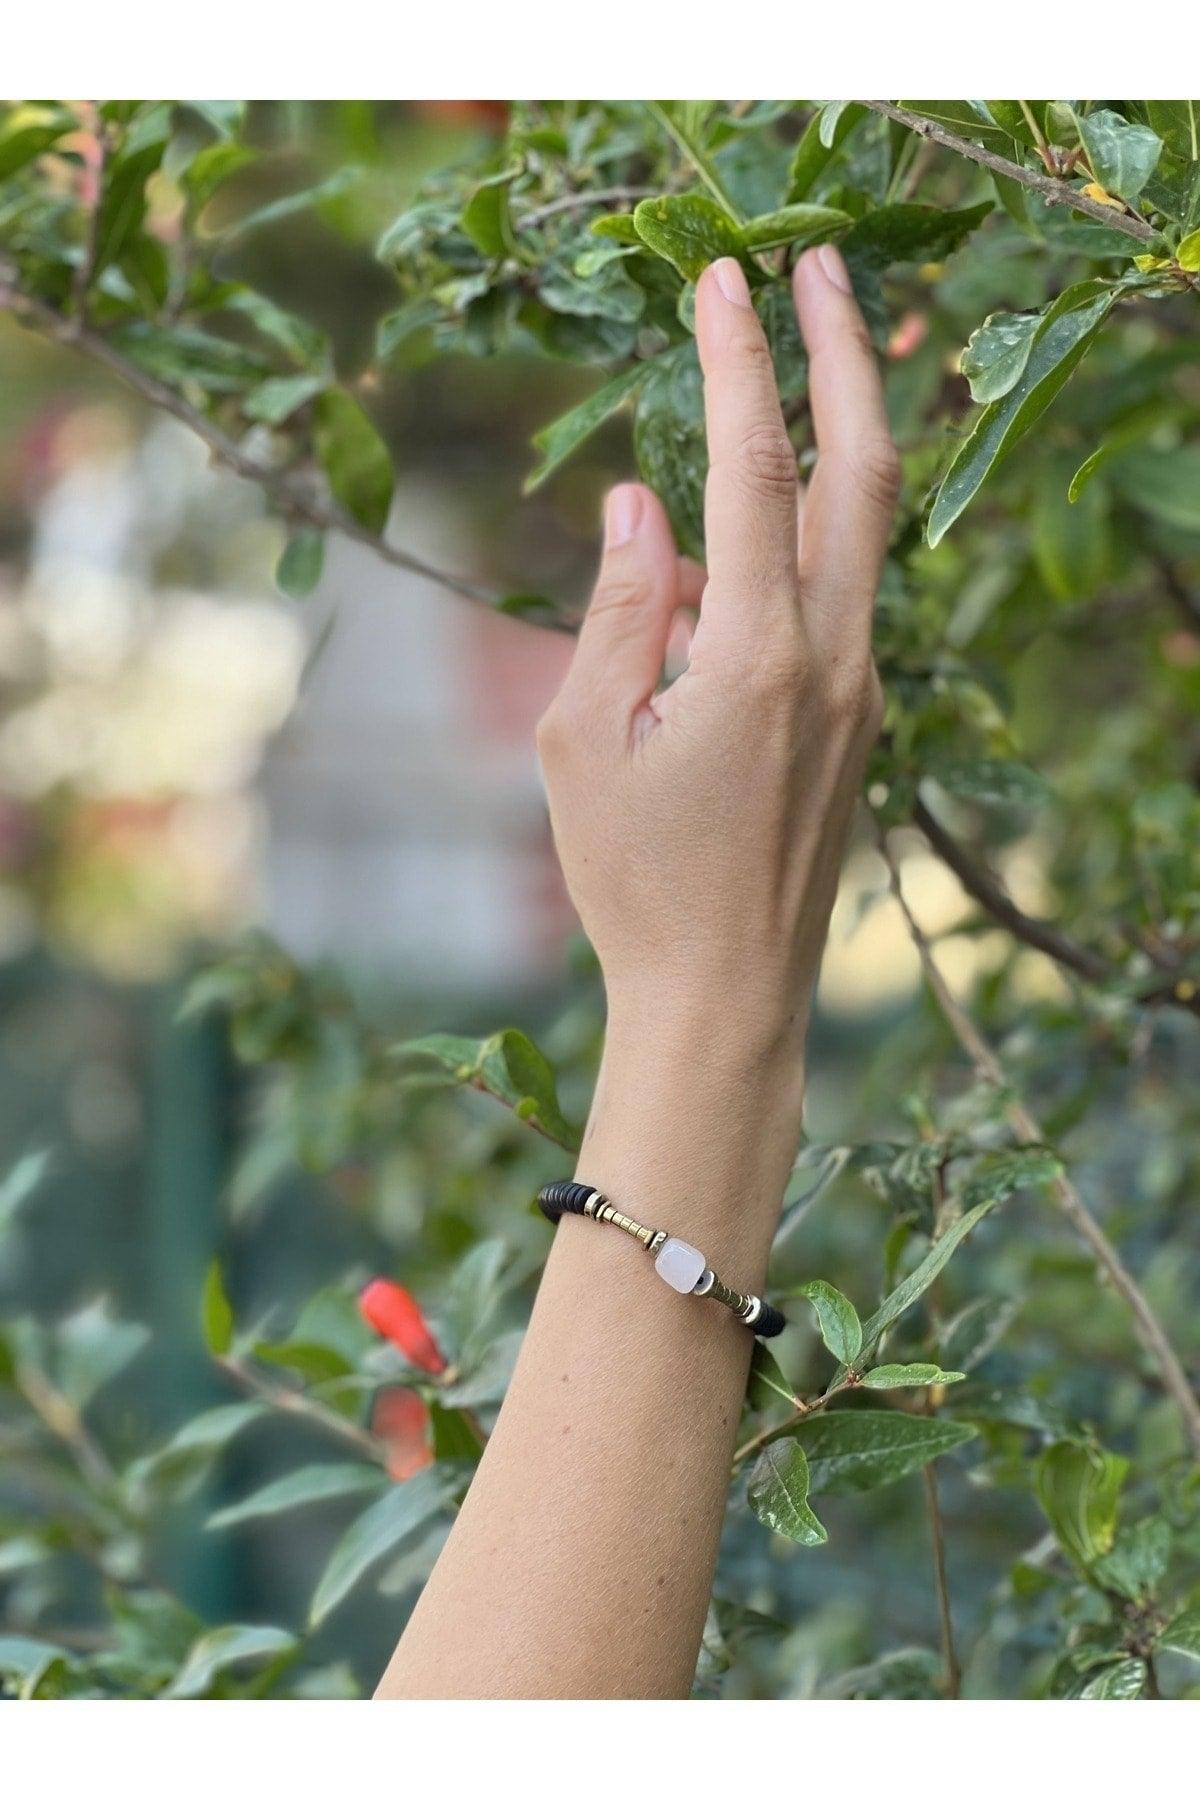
(395, 1315)
(401, 1419)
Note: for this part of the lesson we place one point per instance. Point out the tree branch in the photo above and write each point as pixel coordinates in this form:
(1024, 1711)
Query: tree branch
(988, 1067)
(984, 888)
(298, 1404)
(952, 1669)
(577, 202)
(1053, 191)
(292, 495)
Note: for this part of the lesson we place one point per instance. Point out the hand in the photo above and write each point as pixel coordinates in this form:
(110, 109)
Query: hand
(701, 829)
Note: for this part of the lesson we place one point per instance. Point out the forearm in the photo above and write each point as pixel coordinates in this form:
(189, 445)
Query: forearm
(582, 1561)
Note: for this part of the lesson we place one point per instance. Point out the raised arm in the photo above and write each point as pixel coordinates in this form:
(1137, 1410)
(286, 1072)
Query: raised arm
(700, 831)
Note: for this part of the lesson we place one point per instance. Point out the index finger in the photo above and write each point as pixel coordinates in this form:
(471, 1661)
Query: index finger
(750, 498)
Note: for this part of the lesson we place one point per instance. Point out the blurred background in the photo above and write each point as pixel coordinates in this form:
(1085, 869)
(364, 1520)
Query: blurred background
(186, 757)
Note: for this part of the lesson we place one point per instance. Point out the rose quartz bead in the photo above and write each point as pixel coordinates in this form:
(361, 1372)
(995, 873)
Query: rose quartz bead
(680, 1265)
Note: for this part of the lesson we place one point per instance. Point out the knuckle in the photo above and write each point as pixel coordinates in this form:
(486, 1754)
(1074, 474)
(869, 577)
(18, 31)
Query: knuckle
(854, 696)
(877, 471)
(615, 594)
(552, 734)
(766, 462)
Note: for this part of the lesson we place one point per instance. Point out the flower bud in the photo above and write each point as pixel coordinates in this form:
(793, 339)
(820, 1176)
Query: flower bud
(395, 1315)
(401, 1418)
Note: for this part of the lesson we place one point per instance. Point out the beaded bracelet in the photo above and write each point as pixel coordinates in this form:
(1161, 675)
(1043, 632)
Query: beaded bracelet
(681, 1266)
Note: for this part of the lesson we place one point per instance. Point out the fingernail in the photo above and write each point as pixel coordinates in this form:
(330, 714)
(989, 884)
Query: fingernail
(833, 267)
(732, 281)
(621, 516)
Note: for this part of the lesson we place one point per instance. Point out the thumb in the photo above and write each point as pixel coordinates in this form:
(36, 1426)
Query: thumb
(623, 639)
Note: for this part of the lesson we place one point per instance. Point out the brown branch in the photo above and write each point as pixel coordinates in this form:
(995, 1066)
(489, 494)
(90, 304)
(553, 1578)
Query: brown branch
(952, 1675)
(63, 1419)
(1053, 191)
(577, 203)
(299, 1405)
(289, 493)
(984, 887)
(988, 1067)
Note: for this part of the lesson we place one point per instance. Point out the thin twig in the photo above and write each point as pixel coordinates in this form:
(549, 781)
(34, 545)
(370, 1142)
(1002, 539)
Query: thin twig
(578, 202)
(988, 1067)
(1053, 191)
(802, 1408)
(984, 887)
(62, 1418)
(952, 1676)
(300, 1405)
(291, 494)
(86, 266)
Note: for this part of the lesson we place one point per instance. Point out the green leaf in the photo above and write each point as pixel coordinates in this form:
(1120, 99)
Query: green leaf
(1122, 1680)
(183, 354)
(22, 1180)
(849, 1452)
(27, 1661)
(299, 568)
(288, 205)
(965, 118)
(998, 1174)
(276, 399)
(179, 1465)
(840, 1326)
(1077, 1488)
(679, 119)
(1072, 542)
(557, 441)
(974, 1332)
(670, 444)
(510, 1067)
(453, 1436)
(1163, 483)
(1188, 253)
(996, 353)
(909, 232)
(229, 1646)
(777, 313)
(898, 1375)
(1177, 123)
(820, 141)
(304, 1487)
(620, 227)
(486, 218)
(991, 781)
(1068, 329)
(778, 1493)
(797, 225)
(21, 143)
(354, 457)
(1183, 1634)
(926, 1272)
(689, 230)
(216, 1314)
(395, 328)
(123, 201)
(1123, 156)
(486, 1382)
(210, 167)
(1138, 1559)
(381, 1528)
(767, 1382)
(92, 1348)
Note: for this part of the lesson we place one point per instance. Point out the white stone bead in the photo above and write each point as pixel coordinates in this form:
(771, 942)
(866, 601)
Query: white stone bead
(680, 1265)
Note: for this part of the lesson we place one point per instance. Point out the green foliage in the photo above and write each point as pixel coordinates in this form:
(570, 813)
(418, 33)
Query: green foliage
(1037, 633)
